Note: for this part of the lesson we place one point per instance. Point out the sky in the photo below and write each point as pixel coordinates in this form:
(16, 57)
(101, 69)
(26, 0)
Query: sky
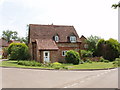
(89, 17)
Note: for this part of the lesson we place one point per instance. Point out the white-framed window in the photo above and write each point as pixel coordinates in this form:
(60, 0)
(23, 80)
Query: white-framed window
(72, 39)
(56, 38)
(63, 53)
(86, 46)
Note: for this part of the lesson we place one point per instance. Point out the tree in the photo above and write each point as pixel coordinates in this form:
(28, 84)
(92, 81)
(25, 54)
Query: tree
(23, 40)
(109, 49)
(116, 5)
(92, 41)
(9, 35)
(18, 51)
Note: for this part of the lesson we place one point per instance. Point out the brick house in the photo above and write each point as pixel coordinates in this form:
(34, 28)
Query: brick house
(49, 43)
(4, 44)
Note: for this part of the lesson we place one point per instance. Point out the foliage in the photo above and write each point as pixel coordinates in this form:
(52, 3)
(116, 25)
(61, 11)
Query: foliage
(106, 61)
(116, 5)
(88, 61)
(9, 35)
(102, 59)
(29, 63)
(93, 65)
(92, 41)
(86, 53)
(23, 40)
(18, 51)
(109, 49)
(72, 57)
(117, 62)
(55, 65)
(5, 52)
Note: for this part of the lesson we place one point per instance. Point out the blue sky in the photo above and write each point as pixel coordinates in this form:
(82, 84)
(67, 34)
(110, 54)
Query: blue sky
(89, 17)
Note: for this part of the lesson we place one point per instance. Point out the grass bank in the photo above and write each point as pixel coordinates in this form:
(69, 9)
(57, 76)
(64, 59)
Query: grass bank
(93, 65)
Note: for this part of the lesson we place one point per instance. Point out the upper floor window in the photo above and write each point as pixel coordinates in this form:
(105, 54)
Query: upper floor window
(56, 38)
(72, 38)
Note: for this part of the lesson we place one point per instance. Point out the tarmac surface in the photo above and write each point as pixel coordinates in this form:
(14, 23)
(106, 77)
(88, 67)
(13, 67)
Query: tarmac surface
(31, 78)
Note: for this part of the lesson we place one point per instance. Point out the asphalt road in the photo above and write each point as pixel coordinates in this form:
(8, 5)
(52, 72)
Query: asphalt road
(31, 78)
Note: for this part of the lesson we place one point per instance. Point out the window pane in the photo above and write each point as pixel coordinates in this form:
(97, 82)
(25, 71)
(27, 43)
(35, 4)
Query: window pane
(46, 54)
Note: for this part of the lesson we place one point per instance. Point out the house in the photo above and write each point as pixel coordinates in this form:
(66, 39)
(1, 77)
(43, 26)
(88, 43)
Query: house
(4, 44)
(49, 43)
(84, 45)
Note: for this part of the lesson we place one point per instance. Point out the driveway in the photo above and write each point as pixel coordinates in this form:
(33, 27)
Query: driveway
(31, 78)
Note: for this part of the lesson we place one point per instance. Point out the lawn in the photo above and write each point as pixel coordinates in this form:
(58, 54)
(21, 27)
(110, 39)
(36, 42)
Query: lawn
(93, 65)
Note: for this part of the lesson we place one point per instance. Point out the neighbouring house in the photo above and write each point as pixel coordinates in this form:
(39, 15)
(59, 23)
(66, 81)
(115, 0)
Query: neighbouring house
(49, 43)
(4, 44)
(84, 45)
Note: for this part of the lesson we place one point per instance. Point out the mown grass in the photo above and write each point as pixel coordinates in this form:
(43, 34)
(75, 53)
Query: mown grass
(11, 63)
(93, 65)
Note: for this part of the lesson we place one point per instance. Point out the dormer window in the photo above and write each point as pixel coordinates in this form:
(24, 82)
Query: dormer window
(56, 38)
(72, 39)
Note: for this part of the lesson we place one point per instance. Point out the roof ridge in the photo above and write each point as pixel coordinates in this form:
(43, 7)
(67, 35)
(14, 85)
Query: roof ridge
(51, 25)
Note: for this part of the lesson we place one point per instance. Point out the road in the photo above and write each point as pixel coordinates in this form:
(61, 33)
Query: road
(31, 78)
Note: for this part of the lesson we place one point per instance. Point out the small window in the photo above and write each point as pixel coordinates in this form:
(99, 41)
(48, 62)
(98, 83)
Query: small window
(72, 38)
(63, 53)
(56, 38)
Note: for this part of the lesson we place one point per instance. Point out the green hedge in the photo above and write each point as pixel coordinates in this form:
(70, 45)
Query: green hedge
(18, 51)
(72, 57)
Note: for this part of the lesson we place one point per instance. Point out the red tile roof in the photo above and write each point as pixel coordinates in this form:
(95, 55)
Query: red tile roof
(49, 31)
(46, 44)
(3, 43)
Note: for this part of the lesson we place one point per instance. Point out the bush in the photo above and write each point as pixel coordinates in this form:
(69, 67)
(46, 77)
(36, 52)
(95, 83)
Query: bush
(102, 59)
(29, 63)
(72, 57)
(18, 51)
(88, 61)
(117, 62)
(57, 64)
(85, 53)
(106, 61)
(109, 49)
(81, 62)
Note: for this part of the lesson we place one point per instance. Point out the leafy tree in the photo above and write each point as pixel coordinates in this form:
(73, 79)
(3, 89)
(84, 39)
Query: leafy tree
(72, 57)
(18, 51)
(109, 49)
(92, 41)
(9, 35)
(85, 53)
(23, 40)
(116, 5)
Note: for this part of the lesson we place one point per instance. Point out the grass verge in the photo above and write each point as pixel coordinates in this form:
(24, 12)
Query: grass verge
(93, 65)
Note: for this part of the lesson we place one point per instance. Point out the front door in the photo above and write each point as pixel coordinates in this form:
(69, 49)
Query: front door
(46, 55)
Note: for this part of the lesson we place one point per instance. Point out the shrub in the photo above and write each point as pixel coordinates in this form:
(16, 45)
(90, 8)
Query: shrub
(106, 61)
(18, 51)
(57, 64)
(85, 53)
(102, 59)
(81, 61)
(88, 61)
(109, 49)
(29, 63)
(72, 57)
(117, 62)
